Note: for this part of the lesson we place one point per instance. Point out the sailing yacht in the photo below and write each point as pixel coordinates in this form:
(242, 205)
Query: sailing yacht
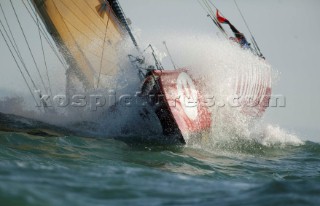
(90, 33)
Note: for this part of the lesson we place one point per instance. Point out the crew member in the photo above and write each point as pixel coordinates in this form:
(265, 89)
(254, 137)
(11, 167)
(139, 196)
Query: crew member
(239, 37)
(149, 85)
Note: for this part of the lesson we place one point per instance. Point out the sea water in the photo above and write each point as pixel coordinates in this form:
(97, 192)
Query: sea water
(70, 170)
(242, 161)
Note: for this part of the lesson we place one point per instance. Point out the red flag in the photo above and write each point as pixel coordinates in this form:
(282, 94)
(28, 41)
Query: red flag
(220, 18)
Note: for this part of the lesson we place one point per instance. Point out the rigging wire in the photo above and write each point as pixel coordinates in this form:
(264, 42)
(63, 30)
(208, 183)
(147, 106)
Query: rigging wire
(90, 39)
(44, 33)
(202, 6)
(18, 54)
(206, 7)
(174, 65)
(208, 2)
(255, 44)
(83, 22)
(80, 20)
(91, 20)
(87, 37)
(235, 2)
(6, 20)
(247, 25)
(154, 55)
(103, 48)
(212, 4)
(44, 57)
(16, 48)
(95, 12)
(205, 2)
(26, 40)
(20, 70)
(82, 32)
(86, 82)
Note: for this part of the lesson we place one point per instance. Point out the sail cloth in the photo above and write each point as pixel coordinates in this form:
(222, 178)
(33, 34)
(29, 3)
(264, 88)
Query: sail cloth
(88, 32)
(102, 8)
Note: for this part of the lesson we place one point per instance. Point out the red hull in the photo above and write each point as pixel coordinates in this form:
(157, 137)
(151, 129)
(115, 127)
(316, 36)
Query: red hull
(183, 111)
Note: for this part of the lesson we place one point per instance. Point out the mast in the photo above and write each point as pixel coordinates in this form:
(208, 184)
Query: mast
(124, 20)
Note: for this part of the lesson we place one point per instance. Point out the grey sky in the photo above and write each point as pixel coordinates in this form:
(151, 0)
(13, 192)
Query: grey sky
(287, 31)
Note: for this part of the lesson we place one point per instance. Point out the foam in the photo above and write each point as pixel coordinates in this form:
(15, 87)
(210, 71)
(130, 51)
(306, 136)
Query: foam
(218, 63)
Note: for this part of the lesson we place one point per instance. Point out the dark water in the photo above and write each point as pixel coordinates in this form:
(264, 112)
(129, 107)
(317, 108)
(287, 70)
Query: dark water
(82, 171)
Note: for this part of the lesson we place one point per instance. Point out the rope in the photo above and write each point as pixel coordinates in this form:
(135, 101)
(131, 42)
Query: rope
(20, 70)
(104, 41)
(26, 40)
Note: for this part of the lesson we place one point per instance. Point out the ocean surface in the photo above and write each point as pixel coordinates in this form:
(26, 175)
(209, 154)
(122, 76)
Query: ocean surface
(70, 170)
(236, 167)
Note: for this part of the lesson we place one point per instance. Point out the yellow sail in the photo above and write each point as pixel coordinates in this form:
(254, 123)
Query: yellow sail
(89, 32)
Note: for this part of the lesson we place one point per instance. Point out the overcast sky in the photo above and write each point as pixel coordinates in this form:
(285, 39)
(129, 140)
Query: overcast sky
(287, 31)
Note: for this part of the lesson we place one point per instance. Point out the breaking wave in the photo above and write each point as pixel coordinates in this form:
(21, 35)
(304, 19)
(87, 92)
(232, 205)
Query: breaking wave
(218, 64)
(215, 62)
